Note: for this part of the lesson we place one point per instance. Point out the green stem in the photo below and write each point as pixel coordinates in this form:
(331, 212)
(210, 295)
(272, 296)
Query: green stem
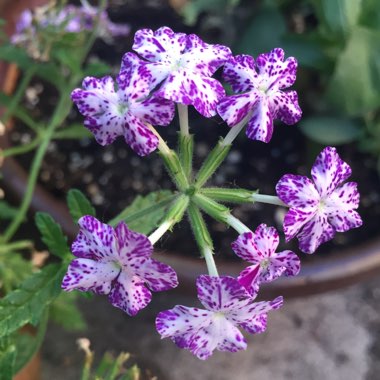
(202, 237)
(128, 218)
(21, 244)
(186, 148)
(25, 80)
(183, 115)
(271, 199)
(21, 149)
(173, 216)
(213, 161)
(228, 195)
(62, 110)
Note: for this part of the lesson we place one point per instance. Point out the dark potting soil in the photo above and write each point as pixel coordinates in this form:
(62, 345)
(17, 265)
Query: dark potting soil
(113, 176)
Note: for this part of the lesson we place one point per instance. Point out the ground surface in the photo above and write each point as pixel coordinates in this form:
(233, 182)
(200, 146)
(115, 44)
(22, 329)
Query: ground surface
(333, 336)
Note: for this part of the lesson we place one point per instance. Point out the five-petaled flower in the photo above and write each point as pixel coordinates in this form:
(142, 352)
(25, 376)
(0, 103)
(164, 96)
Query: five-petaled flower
(228, 305)
(260, 98)
(126, 111)
(183, 64)
(116, 262)
(319, 210)
(259, 248)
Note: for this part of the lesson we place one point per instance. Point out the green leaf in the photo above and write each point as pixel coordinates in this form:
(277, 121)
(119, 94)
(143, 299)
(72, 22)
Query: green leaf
(96, 68)
(79, 205)
(7, 361)
(355, 84)
(74, 131)
(194, 8)
(26, 304)
(65, 312)
(150, 222)
(338, 16)
(7, 211)
(370, 15)
(263, 33)
(331, 130)
(52, 235)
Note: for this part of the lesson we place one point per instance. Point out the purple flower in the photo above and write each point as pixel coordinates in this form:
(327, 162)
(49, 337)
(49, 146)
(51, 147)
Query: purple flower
(183, 64)
(116, 262)
(260, 97)
(259, 248)
(124, 111)
(228, 306)
(318, 210)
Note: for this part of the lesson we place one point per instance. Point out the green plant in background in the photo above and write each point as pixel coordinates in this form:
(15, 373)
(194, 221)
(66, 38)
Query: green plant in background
(336, 43)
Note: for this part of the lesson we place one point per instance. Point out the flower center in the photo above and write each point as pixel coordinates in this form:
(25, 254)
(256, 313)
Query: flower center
(122, 108)
(264, 264)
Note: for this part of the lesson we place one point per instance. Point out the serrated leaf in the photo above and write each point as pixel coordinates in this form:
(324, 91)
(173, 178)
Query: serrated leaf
(331, 130)
(7, 361)
(146, 224)
(65, 312)
(52, 235)
(355, 84)
(27, 303)
(79, 205)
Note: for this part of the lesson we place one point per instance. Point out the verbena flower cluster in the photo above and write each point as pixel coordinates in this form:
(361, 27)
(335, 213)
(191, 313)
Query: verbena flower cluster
(33, 25)
(170, 68)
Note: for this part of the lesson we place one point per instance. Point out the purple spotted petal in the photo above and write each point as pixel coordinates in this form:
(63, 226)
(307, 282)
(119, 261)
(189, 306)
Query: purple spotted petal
(240, 73)
(190, 88)
(248, 316)
(233, 109)
(219, 334)
(89, 275)
(95, 240)
(181, 322)
(260, 126)
(298, 191)
(138, 136)
(221, 293)
(250, 279)
(244, 247)
(340, 207)
(129, 294)
(131, 244)
(278, 74)
(295, 219)
(156, 275)
(284, 106)
(204, 58)
(287, 260)
(266, 240)
(329, 171)
(315, 232)
(161, 45)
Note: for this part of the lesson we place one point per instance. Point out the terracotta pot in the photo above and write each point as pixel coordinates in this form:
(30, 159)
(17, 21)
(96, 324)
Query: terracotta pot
(318, 275)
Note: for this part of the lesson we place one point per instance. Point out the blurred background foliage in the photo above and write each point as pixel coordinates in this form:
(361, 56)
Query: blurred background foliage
(337, 45)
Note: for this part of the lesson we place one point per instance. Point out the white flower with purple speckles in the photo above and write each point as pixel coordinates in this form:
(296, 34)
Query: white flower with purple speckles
(260, 97)
(228, 305)
(116, 262)
(124, 111)
(318, 210)
(183, 64)
(259, 248)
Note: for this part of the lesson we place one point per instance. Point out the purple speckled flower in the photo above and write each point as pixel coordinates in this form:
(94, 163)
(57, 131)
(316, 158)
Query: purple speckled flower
(183, 64)
(259, 248)
(124, 111)
(116, 262)
(260, 97)
(228, 306)
(318, 210)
